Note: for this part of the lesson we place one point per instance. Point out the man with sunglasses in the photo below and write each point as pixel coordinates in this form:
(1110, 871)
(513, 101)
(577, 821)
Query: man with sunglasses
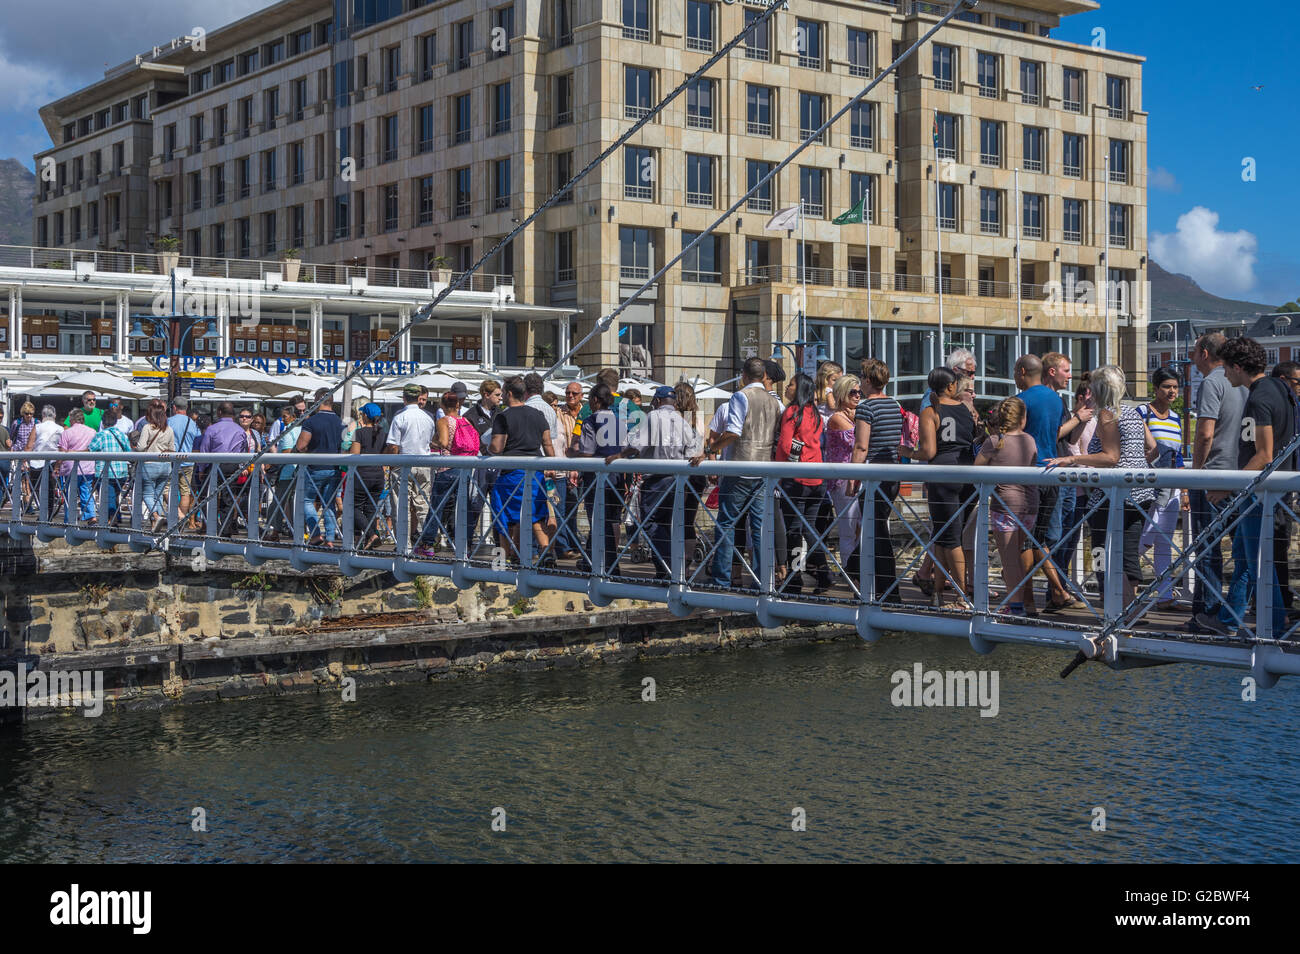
(569, 413)
(94, 416)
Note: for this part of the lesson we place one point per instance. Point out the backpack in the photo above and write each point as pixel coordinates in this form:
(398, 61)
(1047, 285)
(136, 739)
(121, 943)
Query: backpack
(465, 440)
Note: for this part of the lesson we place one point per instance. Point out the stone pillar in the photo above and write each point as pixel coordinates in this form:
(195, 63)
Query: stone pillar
(404, 342)
(122, 327)
(487, 360)
(317, 343)
(16, 323)
(223, 326)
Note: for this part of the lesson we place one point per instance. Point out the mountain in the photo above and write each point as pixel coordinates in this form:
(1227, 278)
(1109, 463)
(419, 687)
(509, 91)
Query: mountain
(17, 186)
(1178, 296)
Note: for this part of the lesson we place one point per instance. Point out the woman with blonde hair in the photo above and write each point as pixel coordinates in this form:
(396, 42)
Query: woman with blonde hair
(841, 432)
(828, 373)
(1122, 439)
(1013, 506)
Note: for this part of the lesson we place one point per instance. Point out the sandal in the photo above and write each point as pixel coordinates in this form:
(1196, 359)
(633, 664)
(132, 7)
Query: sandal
(1054, 607)
(925, 586)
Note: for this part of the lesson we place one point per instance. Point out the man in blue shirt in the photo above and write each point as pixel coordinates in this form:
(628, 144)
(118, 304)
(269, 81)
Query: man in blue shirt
(322, 433)
(184, 432)
(1044, 416)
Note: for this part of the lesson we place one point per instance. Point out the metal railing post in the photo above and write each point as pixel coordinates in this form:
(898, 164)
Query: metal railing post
(298, 519)
(460, 528)
(677, 545)
(252, 520)
(980, 572)
(526, 522)
(1113, 565)
(867, 542)
(598, 517)
(347, 527)
(402, 518)
(137, 501)
(765, 545)
(1267, 503)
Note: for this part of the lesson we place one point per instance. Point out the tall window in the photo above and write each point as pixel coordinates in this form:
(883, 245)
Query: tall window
(637, 95)
(699, 104)
(563, 173)
(862, 126)
(944, 58)
(987, 74)
(424, 128)
(298, 91)
(1035, 139)
(1117, 97)
(1035, 206)
(812, 113)
(389, 140)
(948, 204)
(758, 39)
(809, 45)
(270, 174)
(758, 110)
(428, 47)
(503, 29)
(702, 264)
(862, 185)
(946, 126)
(501, 108)
(699, 26)
(812, 191)
(218, 184)
(761, 200)
(564, 99)
(219, 240)
(638, 173)
(390, 207)
(245, 230)
(563, 22)
(268, 233)
(1031, 82)
(1072, 221)
(1119, 152)
(297, 226)
(392, 67)
(636, 19)
(634, 252)
(1119, 225)
(860, 52)
(461, 119)
(342, 218)
(501, 185)
(699, 180)
(424, 200)
(464, 43)
(1072, 90)
(196, 190)
(271, 106)
(565, 262)
(1072, 156)
(462, 191)
(990, 211)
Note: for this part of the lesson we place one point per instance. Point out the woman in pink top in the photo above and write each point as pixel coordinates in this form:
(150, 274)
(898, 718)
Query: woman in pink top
(1014, 505)
(77, 437)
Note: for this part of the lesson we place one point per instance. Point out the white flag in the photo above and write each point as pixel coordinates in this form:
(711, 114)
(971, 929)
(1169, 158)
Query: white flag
(784, 220)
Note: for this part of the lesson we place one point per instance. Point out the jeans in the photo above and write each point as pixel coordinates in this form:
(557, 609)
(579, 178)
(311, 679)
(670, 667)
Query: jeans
(734, 495)
(657, 496)
(85, 494)
(1246, 570)
(322, 485)
(566, 537)
(112, 488)
(810, 503)
(442, 510)
(1207, 595)
(885, 567)
(1159, 534)
(153, 480)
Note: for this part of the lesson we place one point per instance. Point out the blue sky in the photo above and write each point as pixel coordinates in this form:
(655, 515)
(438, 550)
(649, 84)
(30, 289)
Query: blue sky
(1203, 60)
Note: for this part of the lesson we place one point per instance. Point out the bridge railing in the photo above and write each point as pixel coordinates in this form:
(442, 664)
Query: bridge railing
(732, 536)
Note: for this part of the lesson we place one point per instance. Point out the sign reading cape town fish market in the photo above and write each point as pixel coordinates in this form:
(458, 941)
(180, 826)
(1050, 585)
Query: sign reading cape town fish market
(323, 366)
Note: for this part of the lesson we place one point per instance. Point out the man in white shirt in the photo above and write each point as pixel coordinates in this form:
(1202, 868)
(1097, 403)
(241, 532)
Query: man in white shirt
(412, 432)
(533, 387)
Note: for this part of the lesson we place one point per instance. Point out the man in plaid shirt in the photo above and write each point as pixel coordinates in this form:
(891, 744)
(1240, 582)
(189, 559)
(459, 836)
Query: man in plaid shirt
(113, 474)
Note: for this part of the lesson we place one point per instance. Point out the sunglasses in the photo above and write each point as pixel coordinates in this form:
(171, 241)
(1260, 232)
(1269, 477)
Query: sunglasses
(855, 393)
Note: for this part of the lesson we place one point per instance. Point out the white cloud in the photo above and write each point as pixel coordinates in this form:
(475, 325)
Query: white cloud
(1164, 180)
(1223, 263)
(27, 88)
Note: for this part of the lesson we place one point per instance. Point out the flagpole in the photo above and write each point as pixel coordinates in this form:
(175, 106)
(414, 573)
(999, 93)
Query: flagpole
(1020, 334)
(1105, 279)
(938, 261)
(803, 261)
(870, 342)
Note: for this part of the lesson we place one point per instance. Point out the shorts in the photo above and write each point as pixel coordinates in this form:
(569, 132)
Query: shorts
(1005, 523)
(949, 508)
(508, 497)
(1047, 524)
(184, 482)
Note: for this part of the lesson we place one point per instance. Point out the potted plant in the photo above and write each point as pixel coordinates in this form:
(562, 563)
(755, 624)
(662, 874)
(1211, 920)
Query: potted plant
(292, 263)
(438, 270)
(169, 252)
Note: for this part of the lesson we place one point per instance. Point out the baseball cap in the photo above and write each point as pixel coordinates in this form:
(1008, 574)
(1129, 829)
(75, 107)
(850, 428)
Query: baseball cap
(664, 391)
(411, 390)
(458, 388)
(372, 411)
(180, 401)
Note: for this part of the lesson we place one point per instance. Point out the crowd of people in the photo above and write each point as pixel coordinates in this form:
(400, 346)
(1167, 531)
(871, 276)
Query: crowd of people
(816, 523)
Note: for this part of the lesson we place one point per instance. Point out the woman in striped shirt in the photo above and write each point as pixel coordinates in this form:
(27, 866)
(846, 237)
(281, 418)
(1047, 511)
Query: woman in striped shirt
(1162, 523)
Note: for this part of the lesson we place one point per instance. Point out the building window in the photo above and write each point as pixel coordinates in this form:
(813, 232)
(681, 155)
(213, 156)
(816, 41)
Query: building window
(1072, 156)
(428, 47)
(699, 181)
(503, 30)
(501, 184)
(990, 212)
(269, 172)
(247, 62)
(760, 200)
(360, 213)
(758, 39)
(699, 26)
(699, 104)
(274, 52)
(1072, 90)
(342, 217)
(563, 173)
(390, 207)
(1072, 221)
(271, 106)
(758, 110)
(988, 75)
(92, 228)
(424, 200)
(944, 59)
(390, 138)
(219, 124)
(862, 126)
(1119, 220)
(501, 108)
(1033, 225)
(219, 240)
(244, 170)
(300, 42)
(757, 260)
(297, 227)
(1035, 140)
(76, 224)
(635, 253)
(218, 185)
(244, 228)
(1117, 97)
(863, 185)
(1031, 83)
(812, 191)
(392, 68)
(169, 142)
(946, 132)
(464, 43)
(1119, 152)
(565, 263)
(268, 233)
(636, 19)
(990, 143)
(638, 173)
(424, 127)
(563, 22)
(196, 133)
(812, 113)
(298, 93)
(638, 92)
(808, 43)
(948, 206)
(861, 57)
(245, 117)
(564, 99)
(702, 264)
(462, 192)
(196, 191)
(461, 119)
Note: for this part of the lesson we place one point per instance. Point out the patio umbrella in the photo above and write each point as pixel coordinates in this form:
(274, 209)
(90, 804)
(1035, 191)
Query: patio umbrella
(250, 380)
(101, 382)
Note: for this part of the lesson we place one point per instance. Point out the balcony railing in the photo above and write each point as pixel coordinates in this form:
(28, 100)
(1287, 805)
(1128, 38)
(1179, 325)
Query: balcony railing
(1032, 231)
(941, 83)
(1119, 177)
(636, 33)
(989, 92)
(947, 224)
(1072, 236)
(700, 199)
(820, 137)
(814, 210)
(947, 153)
(861, 142)
(810, 62)
(1033, 165)
(1031, 99)
(461, 135)
(757, 53)
(759, 204)
(699, 120)
(1072, 105)
(634, 272)
(758, 129)
(990, 228)
(642, 193)
(635, 112)
(856, 69)
(990, 159)
(1073, 172)
(1117, 112)
(701, 278)
(564, 117)
(565, 275)
(703, 44)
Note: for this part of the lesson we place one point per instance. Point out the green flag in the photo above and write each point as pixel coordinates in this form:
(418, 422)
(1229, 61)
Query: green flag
(855, 215)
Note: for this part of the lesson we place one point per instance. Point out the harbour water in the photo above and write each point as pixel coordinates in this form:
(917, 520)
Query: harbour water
(583, 770)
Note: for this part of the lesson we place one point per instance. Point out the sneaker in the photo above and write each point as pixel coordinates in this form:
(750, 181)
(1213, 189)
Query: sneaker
(1211, 624)
(427, 553)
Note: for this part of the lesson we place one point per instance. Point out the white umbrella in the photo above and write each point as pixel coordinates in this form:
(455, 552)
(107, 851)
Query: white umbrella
(645, 387)
(704, 391)
(101, 382)
(433, 380)
(252, 381)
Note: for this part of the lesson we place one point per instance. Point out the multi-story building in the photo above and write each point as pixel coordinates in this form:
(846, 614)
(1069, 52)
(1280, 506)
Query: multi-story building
(1000, 163)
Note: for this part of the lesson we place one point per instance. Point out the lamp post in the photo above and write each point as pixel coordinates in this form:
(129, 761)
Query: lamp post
(169, 328)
